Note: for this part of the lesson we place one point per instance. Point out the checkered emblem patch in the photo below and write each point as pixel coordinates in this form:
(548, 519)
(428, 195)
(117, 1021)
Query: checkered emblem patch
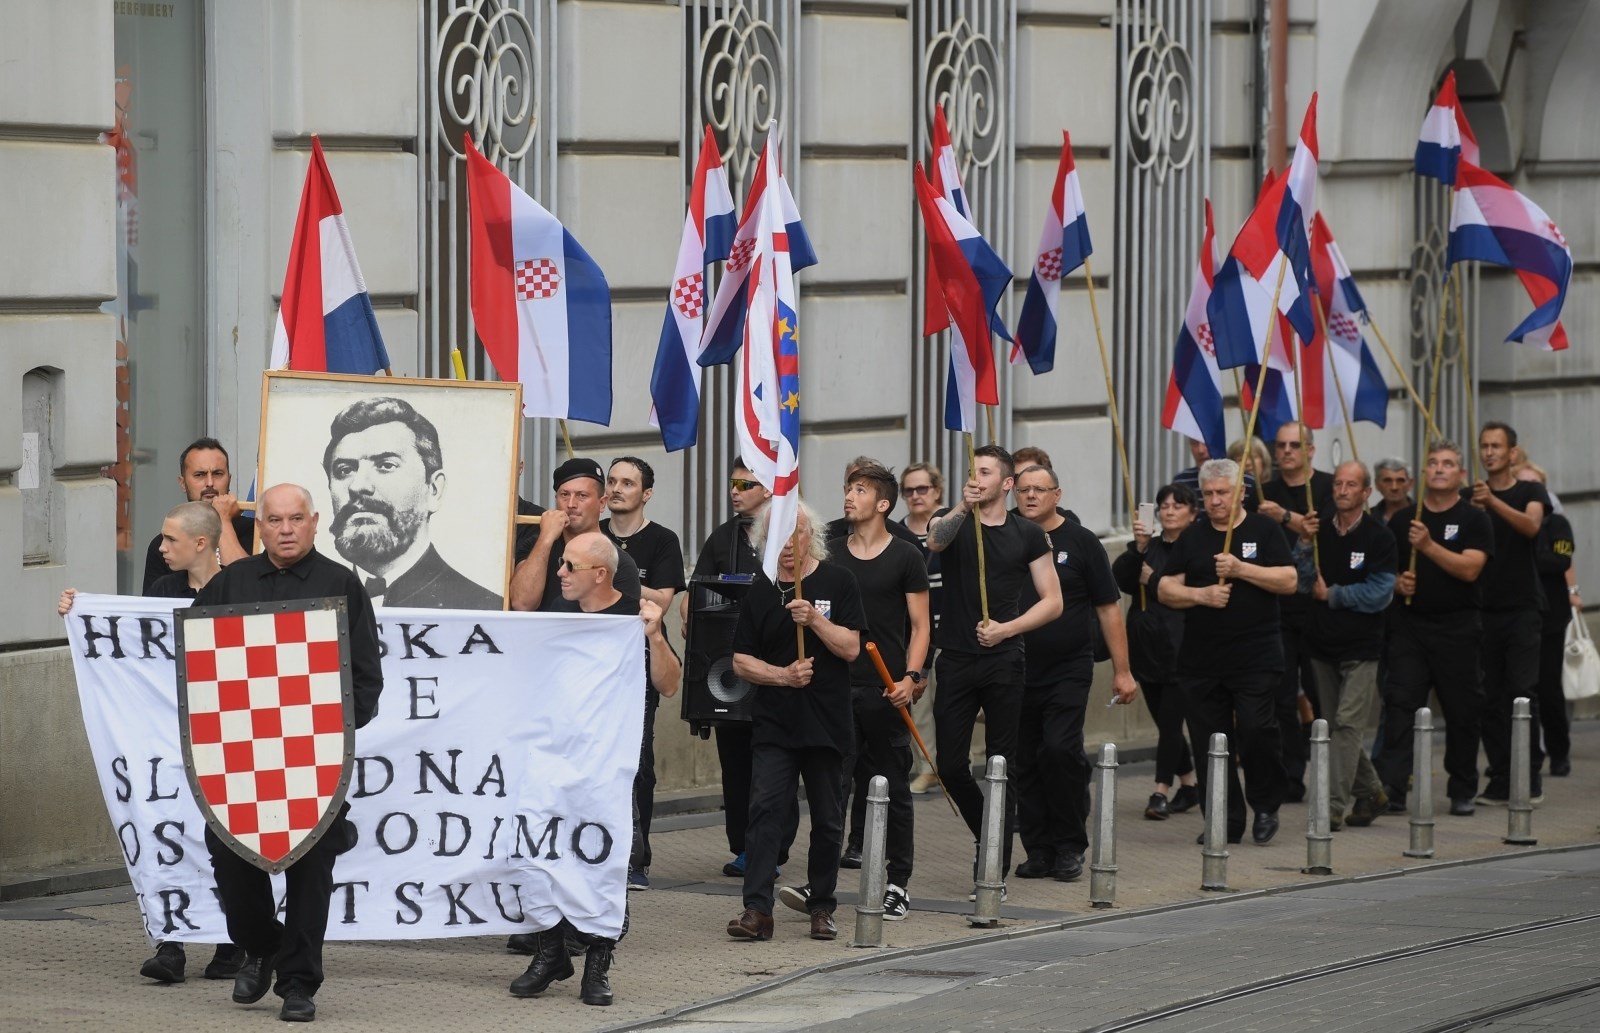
(1247, 550)
(1555, 231)
(267, 722)
(689, 295)
(1343, 327)
(1450, 532)
(1207, 342)
(741, 254)
(537, 279)
(1358, 560)
(1050, 265)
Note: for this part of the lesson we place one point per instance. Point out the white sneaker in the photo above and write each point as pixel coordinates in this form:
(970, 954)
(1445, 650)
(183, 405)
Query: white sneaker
(973, 896)
(924, 783)
(896, 905)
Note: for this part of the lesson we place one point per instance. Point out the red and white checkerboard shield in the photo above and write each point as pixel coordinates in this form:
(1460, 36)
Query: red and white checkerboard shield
(267, 720)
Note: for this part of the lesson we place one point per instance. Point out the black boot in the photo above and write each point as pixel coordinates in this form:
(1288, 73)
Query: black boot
(596, 963)
(550, 963)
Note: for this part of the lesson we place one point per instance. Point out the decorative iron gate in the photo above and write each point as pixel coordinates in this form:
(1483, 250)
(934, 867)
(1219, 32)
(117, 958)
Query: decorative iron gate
(1431, 288)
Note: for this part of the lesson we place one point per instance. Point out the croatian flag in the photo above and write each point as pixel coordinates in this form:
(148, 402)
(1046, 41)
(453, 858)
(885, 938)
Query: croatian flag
(325, 321)
(946, 180)
(708, 231)
(1276, 236)
(1446, 137)
(1345, 347)
(768, 393)
(724, 332)
(1193, 405)
(1063, 245)
(971, 279)
(541, 304)
(1491, 222)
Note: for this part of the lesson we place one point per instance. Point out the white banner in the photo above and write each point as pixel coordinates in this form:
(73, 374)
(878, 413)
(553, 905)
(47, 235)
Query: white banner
(491, 794)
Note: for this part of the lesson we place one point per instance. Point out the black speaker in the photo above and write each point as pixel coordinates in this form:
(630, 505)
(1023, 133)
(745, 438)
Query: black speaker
(711, 691)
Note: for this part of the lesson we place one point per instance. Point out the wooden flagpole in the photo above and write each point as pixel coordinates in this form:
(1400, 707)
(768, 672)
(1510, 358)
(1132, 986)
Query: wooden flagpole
(799, 576)
(977, 529)
(1250, 425)
(1405, 380)
(1111, 398)
(1433, 401)
(1466, 373)
(1297, 356)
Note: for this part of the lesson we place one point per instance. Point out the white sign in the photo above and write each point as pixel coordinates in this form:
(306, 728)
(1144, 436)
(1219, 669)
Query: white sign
(492, 794)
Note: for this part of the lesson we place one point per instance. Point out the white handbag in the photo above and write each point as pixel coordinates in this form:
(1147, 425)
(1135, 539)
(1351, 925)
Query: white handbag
(1580, 671)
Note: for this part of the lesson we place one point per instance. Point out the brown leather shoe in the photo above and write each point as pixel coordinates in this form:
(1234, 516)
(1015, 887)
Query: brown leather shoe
(751, 925)
(822, 927)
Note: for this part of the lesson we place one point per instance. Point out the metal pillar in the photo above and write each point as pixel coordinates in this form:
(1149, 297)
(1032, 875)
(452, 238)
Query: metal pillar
(1103, 869)
(1519, 820)
(1214, 856)
(990, 883)
(1319, 838)
(869, 909)
(1421, 785)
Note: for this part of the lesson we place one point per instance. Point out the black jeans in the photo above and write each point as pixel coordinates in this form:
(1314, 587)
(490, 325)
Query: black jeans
(1168, 707)
(1510, 669)
(733, 751)
(1553, 719)
(1294, 743)
(969, 682)
(1052, 771)
(1440, 652)
(776, 773)
(293, 945)
(1241, 706)
(883, 747)
(644, 786)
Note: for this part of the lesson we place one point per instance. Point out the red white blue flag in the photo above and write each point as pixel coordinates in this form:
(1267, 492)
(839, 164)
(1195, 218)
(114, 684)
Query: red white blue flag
(1063, 245)
(541, 304)
(1344, 348)
(708, 230)
(1193, 404)
(1446, 137)
(325, 319)
(970, 280)
(1491, 222)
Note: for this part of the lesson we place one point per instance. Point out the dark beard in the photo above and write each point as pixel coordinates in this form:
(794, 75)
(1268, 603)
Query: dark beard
(371, 545)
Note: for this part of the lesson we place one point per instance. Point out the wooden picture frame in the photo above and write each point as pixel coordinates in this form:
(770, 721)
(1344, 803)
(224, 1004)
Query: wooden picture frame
(425, 524)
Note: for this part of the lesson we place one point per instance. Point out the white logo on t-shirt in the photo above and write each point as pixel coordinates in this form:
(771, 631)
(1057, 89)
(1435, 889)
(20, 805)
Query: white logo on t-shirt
(1450, 531)
(1357, 559)
(1061, 557)
(823, 606)
(1248, 549)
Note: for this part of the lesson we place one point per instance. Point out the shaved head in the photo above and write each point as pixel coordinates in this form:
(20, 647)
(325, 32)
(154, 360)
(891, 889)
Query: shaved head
(198, 520)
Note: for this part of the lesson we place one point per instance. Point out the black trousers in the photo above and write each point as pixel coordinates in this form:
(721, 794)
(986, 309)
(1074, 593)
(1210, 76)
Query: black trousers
(1294, 744)
(1241, 706)
(1553, 718)
(644, 786)
(856, 779)
(1168, 708)
(1051, 770)
(1438, 652)
(1510, 669)
(733, 751)
(776, 774)
(294, 945)
(882, 747)
(968, 683)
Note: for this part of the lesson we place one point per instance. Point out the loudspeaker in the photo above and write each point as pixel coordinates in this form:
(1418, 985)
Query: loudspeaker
(711, 691)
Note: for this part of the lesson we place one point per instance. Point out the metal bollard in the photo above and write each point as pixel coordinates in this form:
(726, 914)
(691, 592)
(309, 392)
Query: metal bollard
(1421, 785)
(1519, 821)
(986, 906)
(1319, 838)
(869, 909)
(1103, 869)
(1214, 855)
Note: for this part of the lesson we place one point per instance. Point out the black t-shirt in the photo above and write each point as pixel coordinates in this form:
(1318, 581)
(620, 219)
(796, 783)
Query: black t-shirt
(244, 527)
(819, 714)
(1154, 631)
(1553, 551)
(935, 580)
(624, 579)
(1349, 559)
(172, 585)
(840, 528)
(1293, 608)
(1511, 578)
(727, 550)
(1461, 527)
(1244, 635)
(527, 534)
(884, 582)
(654, 549)
(1008, 548)
(1085, 573)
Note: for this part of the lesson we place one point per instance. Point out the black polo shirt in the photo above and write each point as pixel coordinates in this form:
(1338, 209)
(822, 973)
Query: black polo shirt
(1084, 571)
(1511, 578)
(1461, 527)
(1349, 559)
(1244, 635)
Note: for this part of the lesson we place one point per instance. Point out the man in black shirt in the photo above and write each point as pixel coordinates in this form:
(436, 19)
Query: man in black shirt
(578, 484)
(1231, 659)
(840, 528)
(1349, 593)
(1284, 499)
(1052, 771)
(291, 568)
(1435, 627)
(1513, 606)
(800, 718)
(1394, 489)
(203, 473)
(1189, 476)
(981, 664)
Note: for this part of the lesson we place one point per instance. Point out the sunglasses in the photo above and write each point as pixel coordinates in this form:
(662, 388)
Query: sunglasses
(571, 567)
(921, 489)
(740, 484)
(1295, 445)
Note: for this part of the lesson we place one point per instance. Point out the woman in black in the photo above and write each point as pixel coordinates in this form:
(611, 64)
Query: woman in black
(1553, 551)
(1154, 632)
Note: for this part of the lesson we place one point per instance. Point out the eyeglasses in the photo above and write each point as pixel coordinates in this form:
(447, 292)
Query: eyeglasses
(571, 567)
(740, 484)
(913, 492)
(1295, 445)
(1034, 491)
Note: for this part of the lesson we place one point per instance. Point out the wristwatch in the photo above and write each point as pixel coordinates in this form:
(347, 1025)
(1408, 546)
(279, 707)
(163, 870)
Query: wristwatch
(915, 676)
(1284, 520)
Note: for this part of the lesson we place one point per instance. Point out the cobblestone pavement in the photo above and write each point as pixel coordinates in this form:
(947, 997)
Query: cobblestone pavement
(72, 961)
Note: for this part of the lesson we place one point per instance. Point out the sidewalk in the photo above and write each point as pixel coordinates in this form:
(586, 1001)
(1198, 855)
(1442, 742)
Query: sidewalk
(72, 961)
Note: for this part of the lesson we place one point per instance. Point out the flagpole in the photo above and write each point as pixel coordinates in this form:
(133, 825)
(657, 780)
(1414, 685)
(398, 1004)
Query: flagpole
(1297, 355)
(1250, 425)
(1466, 371)
(988, 411)
(1327, 342)
(1111, 392)
(977, 528)
(799, 579)
(566, 437)
(1238, 394)
(1433, 401)
(1405, 379)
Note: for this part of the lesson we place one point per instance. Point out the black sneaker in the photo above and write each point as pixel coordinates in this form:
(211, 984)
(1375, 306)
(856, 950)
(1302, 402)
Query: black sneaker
(1187, 798)
(1494, 796)
(851, 858)
(1036, 867)
(895, 904)
(1463, 808)
(1068, 868)
(796, 897)
(166, 966)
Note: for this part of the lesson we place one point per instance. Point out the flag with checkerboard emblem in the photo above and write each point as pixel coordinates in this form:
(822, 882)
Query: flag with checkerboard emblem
(267, 721)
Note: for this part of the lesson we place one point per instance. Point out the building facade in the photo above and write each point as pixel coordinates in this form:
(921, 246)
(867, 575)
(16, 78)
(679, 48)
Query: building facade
(154, 168)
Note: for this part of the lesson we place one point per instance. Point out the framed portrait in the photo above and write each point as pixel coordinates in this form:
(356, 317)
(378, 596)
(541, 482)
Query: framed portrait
(414, 480)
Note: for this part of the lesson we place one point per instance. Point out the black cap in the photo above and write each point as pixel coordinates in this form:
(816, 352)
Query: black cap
(579, 468)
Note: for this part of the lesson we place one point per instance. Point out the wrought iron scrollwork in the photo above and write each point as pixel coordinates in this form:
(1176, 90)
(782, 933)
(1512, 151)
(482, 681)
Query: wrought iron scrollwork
(1161, 117)
(963, 75)
(488, 60)
(742, 82)
(1429, 281)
